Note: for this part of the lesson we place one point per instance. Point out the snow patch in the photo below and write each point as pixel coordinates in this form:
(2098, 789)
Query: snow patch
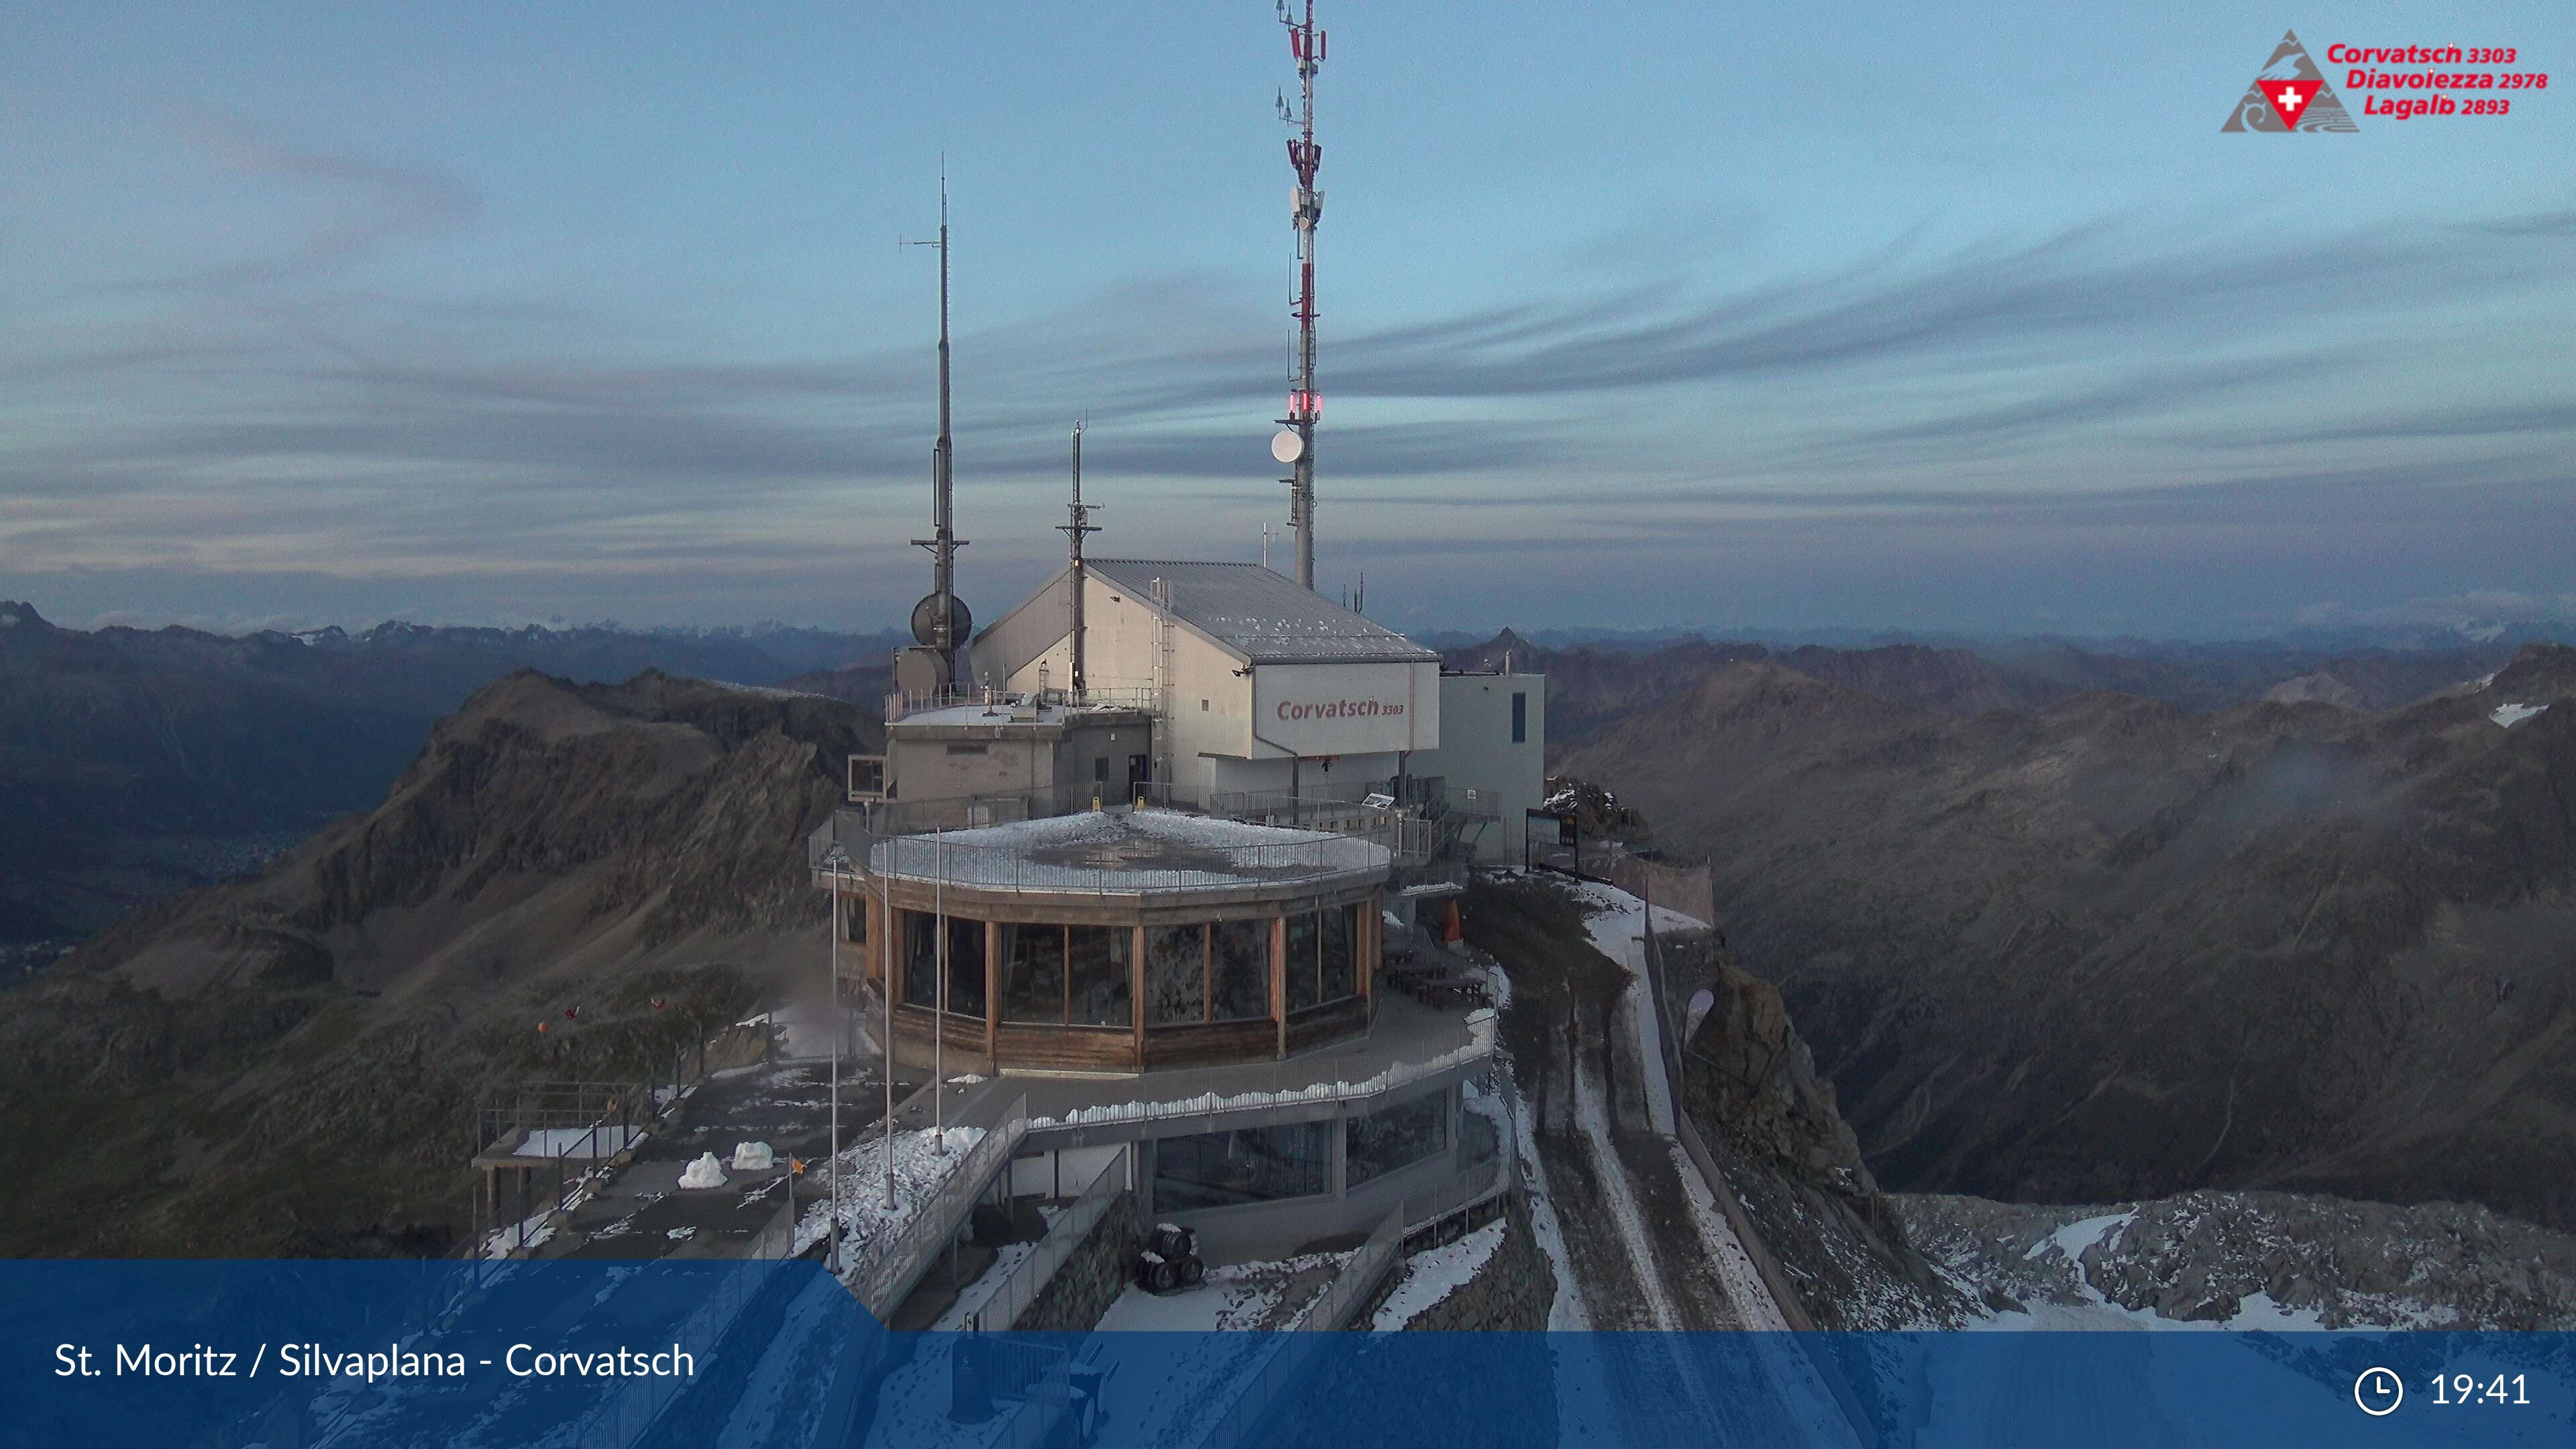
(578, 1141)
(1430, 1277)
(751, 1157)
(706, 1172)
(2509, 715)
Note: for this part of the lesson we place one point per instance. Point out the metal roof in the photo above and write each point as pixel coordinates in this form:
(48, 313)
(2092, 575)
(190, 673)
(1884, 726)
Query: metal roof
(1260, 615)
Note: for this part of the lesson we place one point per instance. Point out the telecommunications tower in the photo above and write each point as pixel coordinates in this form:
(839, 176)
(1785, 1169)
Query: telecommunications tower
(1295, 444)
(941, 624)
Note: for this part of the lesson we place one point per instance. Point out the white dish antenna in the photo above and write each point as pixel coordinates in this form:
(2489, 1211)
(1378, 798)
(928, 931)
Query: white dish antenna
(1285, 445)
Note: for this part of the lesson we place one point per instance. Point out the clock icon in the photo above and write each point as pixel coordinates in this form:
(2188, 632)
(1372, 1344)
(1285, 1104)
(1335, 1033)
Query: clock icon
(2378, 1391)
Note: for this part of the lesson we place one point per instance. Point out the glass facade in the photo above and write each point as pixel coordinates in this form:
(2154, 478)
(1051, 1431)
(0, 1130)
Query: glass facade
(1048, 974)
(1304, 976)
(1239, 970)
(1033, 978)
(1257, 1164)
(1397, 1136)
(1100, 964)
(1175, 974)
(965, 963)
(920, 959)
(1323, 956)
(1341, 926)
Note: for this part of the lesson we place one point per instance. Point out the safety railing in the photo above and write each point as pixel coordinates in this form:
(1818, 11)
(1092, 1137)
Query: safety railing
(904, 703)
(889, 1274)
(1015, 1294)
(850, 842)
(1298, 1352)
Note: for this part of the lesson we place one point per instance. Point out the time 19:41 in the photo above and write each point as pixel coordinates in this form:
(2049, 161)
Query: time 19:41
(2465, 1389)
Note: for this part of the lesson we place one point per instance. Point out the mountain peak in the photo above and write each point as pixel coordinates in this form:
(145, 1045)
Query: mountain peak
(14, 614)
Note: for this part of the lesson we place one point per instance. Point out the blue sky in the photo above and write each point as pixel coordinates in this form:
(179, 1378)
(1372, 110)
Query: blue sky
(1634, 316)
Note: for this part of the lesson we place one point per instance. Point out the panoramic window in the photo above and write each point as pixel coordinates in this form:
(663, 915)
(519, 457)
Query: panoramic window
(1398, 1136)
(920, 959)
(1304, 963)
(1100, 960)
(1257, 1164)
(1240, 970)
(1341, 971)
(1033, 973)
(1175, 974)
(965, 966)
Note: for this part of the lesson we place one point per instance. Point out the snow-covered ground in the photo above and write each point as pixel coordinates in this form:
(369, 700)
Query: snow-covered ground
(1432, 1276)
(922, 1162)
(2510, 715)
(1479, 1045)
(578, 1141)
(1616, 922)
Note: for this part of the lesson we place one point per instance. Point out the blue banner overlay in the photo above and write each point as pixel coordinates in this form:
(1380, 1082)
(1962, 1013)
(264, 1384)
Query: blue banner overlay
(774, 1355)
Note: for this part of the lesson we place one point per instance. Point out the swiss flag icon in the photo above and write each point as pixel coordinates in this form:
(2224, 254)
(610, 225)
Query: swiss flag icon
(2289, 98)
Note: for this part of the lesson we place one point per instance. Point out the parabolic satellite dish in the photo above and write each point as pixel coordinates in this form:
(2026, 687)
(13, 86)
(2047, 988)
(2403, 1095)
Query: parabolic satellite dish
(1285, 445)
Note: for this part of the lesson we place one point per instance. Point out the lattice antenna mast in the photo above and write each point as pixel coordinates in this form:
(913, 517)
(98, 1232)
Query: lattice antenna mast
(1305, 405)
(1078, 524)
(940, 622)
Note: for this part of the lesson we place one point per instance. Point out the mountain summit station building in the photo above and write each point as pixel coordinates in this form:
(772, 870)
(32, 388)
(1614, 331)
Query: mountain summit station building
(1200, 912)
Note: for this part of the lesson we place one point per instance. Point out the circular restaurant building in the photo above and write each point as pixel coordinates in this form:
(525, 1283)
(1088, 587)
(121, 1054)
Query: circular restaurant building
(1116, 940)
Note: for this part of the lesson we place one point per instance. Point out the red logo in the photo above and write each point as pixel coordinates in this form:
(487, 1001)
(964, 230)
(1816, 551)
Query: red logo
(2290, 94)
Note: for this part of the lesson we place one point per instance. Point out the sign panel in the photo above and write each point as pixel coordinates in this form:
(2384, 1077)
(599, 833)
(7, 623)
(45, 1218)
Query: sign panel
(1346, 709)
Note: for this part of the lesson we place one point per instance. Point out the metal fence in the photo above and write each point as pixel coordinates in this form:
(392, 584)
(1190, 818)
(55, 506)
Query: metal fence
(1017, 1292)
(1143, 697)
(891, 1272)
(900, 845)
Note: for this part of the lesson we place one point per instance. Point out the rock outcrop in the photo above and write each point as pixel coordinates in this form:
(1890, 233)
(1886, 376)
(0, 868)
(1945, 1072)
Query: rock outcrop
(290, 1063)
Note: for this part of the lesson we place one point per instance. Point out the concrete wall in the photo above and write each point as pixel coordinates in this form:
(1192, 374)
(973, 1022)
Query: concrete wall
(1476, 753)
(944, 769)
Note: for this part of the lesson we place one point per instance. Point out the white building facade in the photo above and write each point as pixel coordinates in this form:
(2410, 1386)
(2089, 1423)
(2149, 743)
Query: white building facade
(1261, 686)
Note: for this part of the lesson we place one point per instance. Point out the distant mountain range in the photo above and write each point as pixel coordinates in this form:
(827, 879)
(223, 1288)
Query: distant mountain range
(135, 761)
(1592, 688)
(2097, 946)
(2511, 634)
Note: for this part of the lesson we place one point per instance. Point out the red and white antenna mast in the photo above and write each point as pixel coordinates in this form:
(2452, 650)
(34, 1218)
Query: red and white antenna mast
(1297, 445)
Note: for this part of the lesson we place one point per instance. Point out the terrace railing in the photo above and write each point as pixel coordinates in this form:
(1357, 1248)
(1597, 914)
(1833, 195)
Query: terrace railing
(851, 842)
(1020, 1291)
(1299, 1352)
(891, 1273)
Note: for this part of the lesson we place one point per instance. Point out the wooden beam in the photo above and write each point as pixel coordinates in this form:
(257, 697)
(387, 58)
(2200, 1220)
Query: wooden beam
(1279, 980)
(1136, 989)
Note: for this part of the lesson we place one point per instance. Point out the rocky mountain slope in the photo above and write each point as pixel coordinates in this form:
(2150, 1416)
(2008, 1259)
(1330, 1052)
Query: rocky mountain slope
(133, 761)
(1749, 1083)
(288, 1063)
(2109, 950)
(2256, 1260)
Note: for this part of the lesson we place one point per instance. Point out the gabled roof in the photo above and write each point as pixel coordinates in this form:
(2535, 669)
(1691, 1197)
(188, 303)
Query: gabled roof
(1260, 616)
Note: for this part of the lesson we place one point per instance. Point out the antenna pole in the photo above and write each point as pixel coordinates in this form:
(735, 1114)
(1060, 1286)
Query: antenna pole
(1305, 405)
(1079, 523)
(943, 636)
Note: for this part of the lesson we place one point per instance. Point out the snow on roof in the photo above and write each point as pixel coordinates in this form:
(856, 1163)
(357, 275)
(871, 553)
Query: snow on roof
(1125, 852)
(1261, 615)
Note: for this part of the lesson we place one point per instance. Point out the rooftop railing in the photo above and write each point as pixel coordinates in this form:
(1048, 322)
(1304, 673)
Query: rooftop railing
(910, 702)
(906, 839)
